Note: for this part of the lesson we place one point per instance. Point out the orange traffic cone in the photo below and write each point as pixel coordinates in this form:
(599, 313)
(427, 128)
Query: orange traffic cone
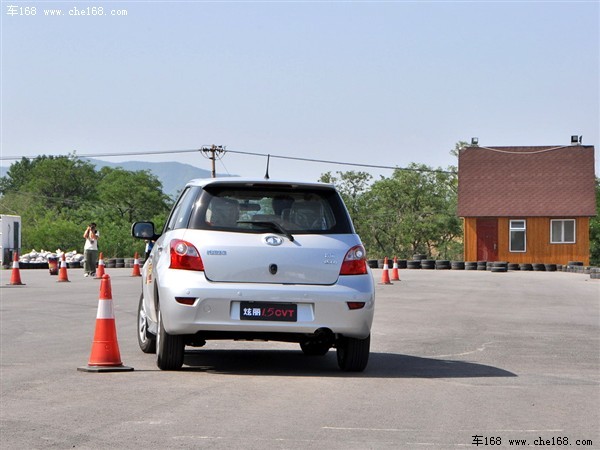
(395, 275)
(105, 355)
(136, 266)
(385, 276)
(62, 272)
(15, 276)
(100, 269)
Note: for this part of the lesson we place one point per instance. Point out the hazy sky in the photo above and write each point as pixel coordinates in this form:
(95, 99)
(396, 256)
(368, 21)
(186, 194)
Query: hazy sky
(385, 83)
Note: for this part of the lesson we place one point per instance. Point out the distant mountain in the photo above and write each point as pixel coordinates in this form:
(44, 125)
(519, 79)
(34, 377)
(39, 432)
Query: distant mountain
(172, 175)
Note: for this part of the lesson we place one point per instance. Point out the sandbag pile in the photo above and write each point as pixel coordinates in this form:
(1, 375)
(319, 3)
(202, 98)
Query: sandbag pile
(40, 259)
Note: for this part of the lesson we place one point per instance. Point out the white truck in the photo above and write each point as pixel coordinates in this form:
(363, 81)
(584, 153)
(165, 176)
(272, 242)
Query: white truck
(10, 238)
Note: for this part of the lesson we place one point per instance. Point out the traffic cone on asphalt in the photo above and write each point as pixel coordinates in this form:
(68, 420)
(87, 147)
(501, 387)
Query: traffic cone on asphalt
(395, 275)
(100, 269)
(15, 276)
(136, 266)
(62, 272)
(385, 276)
(105, 355)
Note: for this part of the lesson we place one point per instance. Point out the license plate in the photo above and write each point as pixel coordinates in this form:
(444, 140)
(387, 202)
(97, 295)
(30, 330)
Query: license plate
(278, 312)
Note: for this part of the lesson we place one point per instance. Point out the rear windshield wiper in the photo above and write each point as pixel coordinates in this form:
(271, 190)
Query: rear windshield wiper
(271, 225)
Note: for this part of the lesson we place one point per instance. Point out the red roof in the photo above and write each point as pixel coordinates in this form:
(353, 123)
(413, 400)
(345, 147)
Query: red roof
(526, 181)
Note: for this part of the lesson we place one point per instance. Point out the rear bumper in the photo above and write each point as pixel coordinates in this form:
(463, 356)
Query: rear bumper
(216, 306)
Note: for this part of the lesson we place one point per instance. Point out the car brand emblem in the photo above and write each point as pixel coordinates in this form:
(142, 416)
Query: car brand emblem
(273, 240)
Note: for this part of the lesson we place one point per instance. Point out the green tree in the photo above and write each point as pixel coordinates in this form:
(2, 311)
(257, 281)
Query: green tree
(130, 196)
(414, 212)
(57, 197)
(353, 187)
(59, 182)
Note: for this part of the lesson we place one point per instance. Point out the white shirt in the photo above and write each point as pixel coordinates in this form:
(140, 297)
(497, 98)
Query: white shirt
(91, 244)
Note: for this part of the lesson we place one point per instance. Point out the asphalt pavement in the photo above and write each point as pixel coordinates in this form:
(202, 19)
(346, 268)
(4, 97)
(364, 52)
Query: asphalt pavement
(459, 359)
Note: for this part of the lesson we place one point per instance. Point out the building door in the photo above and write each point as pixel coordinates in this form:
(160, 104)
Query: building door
(487, 239)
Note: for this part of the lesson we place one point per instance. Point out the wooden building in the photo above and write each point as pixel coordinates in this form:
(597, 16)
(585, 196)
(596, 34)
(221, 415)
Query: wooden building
(527, 204)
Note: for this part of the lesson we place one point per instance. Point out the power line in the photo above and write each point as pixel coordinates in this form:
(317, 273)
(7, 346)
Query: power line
(238, 152)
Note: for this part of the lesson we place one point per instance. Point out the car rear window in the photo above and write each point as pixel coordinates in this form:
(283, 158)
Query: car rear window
(260, 208)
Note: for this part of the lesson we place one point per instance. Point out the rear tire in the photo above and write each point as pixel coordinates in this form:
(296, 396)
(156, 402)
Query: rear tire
(169, 348)
(145, 340)
(353, 353)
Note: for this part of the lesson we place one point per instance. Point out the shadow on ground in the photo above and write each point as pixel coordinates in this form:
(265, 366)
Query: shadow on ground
(295, 363)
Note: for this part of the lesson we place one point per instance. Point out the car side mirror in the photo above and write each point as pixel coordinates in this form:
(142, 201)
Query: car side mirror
(144, 230)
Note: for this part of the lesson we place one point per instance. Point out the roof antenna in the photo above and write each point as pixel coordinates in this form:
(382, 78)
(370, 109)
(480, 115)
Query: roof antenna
(267, 172)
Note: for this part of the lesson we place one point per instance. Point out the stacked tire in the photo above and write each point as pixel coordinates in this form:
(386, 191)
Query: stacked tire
(413, 264)
(457, 265)
(471, 265)
(499, 267)
(442, 264)
(428, 264)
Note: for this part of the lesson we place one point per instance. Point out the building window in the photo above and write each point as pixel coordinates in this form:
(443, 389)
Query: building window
(518, 236)
(562, 231)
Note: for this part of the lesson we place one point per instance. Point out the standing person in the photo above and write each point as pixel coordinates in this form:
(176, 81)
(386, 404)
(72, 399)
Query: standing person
(90, 249)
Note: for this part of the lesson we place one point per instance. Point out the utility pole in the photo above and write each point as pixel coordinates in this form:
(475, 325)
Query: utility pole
(213, 152)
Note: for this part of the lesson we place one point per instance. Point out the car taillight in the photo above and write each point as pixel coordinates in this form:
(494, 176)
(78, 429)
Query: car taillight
(185, 256)
(356, 305)
(355, 261)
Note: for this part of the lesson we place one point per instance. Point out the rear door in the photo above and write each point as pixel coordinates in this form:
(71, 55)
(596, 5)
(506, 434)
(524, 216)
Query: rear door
(272, 258)
(271, 233)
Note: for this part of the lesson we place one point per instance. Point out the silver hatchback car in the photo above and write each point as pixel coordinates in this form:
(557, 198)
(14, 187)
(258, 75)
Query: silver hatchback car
(256, 260)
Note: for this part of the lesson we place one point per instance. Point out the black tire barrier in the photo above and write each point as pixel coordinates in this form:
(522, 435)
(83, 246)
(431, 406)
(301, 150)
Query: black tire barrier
(442, 264)
(110, 263)
(481, 265)
(526, 266)
(414, 264)
(401, 264)
(595, 273)
(577, 268)
(457, 265)
(419, 257)
(119, 263)
(499, 269)
(550, 267)
(513, 266)
(471, 265)
(537, 267)
(373, 263)
(428, 264)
